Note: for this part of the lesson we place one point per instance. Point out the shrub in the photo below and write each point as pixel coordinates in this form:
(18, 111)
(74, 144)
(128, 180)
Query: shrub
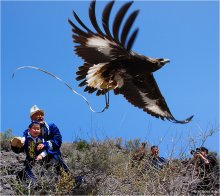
(65, 184)
(5, 138)
(82, 145)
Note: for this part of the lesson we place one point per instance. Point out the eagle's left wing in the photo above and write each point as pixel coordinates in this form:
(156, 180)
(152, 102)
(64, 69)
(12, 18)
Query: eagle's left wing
(101, 47)
(144, 93)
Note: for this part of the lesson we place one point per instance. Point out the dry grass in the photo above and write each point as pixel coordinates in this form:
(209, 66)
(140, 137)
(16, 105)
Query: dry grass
(108, 168)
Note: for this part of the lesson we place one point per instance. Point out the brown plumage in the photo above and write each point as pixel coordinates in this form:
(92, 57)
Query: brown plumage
(110, 64)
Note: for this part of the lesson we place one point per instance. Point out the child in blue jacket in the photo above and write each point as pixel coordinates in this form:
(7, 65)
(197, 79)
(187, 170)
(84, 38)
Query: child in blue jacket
(29, 144)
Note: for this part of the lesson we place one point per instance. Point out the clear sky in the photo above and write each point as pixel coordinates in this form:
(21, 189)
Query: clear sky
(38, 34)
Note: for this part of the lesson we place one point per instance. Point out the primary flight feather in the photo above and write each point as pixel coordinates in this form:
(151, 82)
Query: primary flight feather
(110, 64)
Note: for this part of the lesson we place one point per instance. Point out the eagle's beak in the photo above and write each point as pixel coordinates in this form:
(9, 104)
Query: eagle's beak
(165, 61)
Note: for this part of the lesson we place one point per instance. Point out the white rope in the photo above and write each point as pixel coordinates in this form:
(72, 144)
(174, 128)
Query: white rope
(42, 70)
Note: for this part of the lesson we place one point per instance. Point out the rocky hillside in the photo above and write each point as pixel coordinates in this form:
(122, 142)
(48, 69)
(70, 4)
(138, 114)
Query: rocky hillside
(107, 168)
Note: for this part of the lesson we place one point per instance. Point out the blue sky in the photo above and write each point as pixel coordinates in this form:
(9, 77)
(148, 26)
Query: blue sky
(38, 34)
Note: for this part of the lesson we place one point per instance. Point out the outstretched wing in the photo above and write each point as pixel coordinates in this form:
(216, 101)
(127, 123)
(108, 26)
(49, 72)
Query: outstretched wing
(106, 50)
(98, 47)
(144, 93)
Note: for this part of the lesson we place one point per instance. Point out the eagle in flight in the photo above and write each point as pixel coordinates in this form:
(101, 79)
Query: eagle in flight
(110, 64)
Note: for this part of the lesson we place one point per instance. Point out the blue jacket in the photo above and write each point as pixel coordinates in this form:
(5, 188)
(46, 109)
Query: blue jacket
(30, 147)
(52, 139)
(158, 162)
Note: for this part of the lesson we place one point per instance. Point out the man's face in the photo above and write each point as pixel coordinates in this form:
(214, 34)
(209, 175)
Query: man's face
(155, 151)
(38, 116)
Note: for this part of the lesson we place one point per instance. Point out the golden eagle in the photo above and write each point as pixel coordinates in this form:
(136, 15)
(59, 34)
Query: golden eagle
(110, 64)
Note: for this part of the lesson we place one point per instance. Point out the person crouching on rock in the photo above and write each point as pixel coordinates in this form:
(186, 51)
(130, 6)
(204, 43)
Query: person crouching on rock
(29, 143)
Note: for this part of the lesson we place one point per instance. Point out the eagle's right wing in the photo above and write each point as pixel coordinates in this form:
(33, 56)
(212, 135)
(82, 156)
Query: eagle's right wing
(144, 93)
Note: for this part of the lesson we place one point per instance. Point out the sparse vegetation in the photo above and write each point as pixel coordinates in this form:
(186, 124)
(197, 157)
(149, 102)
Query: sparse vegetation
(82, 145)
(108, 169)
(5, 138)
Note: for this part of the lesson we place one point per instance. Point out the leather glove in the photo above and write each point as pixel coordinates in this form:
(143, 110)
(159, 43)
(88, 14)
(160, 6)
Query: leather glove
(17, 142)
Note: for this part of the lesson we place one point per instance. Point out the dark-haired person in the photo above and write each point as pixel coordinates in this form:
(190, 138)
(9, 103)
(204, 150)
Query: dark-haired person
(29, 143)
(154, 158)
(207, 167)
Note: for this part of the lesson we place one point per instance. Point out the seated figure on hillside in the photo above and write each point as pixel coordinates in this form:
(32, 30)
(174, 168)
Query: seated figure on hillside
(207, 168)
(154, 159)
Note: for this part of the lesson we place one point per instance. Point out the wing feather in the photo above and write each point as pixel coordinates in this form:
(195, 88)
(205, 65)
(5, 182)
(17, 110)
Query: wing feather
(90, 55)
(118, 19)
(77, 30)
(93, 18)
(127, 26)
(144, 93)
(81, 23)
(132, 39)
(105, 18)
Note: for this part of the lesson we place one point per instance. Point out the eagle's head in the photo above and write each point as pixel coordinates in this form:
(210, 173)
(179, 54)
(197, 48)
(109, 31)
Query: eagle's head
(162, 61)
(156, 63)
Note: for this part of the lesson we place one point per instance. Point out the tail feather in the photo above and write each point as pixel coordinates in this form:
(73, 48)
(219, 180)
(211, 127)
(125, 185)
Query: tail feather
(83, 83)
(80, 77)
(83, 72)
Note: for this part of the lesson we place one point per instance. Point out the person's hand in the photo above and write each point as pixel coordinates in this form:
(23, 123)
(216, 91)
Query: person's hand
(40, 147)
(199, 155)
(39, 157)
(204, 158)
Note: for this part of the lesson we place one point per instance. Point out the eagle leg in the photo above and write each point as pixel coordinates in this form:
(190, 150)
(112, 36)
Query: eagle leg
(107, 99)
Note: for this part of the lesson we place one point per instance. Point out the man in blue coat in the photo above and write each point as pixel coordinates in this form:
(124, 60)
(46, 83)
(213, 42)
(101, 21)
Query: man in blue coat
(52, 139)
